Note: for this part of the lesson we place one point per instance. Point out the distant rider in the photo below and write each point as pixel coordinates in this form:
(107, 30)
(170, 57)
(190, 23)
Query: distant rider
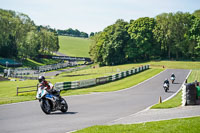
(173, 75)
(167, 82)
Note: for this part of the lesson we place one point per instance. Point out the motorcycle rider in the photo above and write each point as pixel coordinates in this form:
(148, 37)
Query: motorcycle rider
(167, 82)
(173, 75)
(44, 84)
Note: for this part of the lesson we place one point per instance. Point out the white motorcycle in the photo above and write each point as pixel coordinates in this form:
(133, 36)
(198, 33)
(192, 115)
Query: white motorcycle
(172, 79)
(50, 102)
(166, 87)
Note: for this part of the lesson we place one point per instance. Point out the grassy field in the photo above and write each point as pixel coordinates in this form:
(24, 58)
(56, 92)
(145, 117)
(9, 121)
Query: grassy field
(185, 125)
(195, 75)
(175, 64)
(74, 46)
(8, 88)
(40, 62)
(117, 85)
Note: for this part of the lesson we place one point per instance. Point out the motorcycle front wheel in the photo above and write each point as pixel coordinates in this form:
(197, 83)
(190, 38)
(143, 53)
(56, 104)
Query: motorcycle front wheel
(45, 106)
(64, 107)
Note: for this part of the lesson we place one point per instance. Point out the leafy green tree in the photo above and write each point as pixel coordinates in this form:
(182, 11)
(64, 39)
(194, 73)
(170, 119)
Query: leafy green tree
(8, 24)
(181, 26)
(194, 34)
(141, 34)
(197, 13)
(20, 37)
(171, 32)
(110, 44)
(91, 34)
(71, 32)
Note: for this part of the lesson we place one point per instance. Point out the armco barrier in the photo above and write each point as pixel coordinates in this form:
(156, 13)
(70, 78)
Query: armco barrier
(101, 80)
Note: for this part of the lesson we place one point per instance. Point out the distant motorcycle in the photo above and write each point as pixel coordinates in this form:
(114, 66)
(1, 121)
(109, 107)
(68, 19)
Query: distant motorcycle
(166, 87)
(50, 102)
(172, 79)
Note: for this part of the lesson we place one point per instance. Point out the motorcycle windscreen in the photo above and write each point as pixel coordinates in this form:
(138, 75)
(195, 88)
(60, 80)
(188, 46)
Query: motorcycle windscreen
(38, 95)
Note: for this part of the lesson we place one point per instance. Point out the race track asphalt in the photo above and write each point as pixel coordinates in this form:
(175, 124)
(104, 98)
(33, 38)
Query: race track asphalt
(90, 109)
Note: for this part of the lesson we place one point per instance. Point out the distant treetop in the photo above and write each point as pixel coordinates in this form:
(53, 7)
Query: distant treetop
(71, 32)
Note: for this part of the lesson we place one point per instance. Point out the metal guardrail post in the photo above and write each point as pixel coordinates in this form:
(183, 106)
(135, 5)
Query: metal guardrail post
(17, 91)
(26, 87)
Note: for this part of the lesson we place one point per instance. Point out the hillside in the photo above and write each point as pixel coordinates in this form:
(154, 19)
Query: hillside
(74, 46)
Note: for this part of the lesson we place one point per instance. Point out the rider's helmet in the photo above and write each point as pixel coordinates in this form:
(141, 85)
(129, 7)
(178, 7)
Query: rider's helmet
(166, 79)
(41, 78)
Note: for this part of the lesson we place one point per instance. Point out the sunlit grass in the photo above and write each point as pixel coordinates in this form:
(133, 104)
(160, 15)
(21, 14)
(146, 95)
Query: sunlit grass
(184, 125)
(119, 84)
(176, 64)
(174, 102)
(74, 46)
(8, 90)
(195, 75)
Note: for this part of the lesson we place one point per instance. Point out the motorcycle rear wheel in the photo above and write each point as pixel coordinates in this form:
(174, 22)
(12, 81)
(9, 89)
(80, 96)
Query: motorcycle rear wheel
(166, 89)
(64, 107)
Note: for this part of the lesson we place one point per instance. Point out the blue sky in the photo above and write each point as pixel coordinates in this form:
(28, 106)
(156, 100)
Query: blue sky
(94, 15)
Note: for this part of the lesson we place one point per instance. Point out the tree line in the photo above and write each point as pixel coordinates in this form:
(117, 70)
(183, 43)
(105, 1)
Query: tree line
(71, 32)
(167, 36)
(20, 37)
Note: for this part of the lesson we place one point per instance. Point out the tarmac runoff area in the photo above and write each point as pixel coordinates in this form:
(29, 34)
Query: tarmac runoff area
(149, 115)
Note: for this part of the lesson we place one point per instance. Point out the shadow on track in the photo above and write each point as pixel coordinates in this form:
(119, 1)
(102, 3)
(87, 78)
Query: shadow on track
(176, 83)
(61, 113)
(170, 92)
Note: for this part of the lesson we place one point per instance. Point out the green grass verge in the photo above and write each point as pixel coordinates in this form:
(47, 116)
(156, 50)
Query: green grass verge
(117, 85)
(174, 102)
(74, 46)
(40, 62)
(184, 125)
(96, 72)
(8, 88)
(31, 63)
(195, 75)
(175, 64)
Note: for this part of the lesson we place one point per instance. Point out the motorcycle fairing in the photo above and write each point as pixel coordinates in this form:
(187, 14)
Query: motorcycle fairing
(48, 96)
